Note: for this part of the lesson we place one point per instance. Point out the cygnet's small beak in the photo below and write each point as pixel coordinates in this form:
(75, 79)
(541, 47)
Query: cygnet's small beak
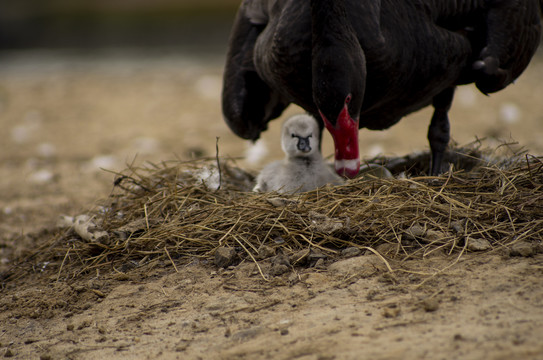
(303, 144)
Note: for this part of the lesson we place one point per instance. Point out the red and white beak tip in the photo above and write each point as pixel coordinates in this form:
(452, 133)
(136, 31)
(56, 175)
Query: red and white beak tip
(347, 168)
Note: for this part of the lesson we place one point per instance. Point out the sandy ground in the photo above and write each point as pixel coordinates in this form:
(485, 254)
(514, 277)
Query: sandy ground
(67, 116)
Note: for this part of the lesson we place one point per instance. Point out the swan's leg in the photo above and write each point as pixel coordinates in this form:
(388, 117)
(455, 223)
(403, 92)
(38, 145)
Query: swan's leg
(438, 132)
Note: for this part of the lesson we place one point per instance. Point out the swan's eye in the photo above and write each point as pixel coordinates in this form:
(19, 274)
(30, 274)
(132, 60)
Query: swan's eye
(293, 135)
(348, 99)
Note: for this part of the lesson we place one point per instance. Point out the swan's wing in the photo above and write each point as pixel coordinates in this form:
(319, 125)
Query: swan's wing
(248, 103)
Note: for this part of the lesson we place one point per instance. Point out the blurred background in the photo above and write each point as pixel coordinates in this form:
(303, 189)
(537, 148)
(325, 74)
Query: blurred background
(201, 25)
(90, 86)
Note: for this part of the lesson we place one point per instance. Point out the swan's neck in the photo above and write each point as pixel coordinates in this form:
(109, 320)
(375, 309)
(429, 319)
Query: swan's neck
(328, 18)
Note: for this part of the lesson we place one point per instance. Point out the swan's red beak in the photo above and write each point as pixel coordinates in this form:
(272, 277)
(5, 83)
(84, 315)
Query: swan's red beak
(345, 135)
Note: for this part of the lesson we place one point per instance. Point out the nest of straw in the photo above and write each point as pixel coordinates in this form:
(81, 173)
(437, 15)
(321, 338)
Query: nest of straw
(179, 212)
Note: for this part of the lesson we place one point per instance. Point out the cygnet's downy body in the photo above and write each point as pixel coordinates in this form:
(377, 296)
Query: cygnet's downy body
(303, 168)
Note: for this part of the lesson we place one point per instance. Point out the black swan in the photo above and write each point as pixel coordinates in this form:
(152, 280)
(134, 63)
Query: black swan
(367, 63)
(303, 168)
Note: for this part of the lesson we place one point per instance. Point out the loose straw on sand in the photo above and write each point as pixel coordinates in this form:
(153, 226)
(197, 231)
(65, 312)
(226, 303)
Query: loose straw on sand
(167, 211)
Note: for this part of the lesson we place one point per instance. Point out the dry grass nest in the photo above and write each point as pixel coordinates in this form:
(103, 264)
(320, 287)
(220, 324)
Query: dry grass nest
(181, 212)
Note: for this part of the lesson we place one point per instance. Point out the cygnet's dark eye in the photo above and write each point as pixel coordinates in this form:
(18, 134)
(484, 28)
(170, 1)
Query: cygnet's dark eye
(293, 135)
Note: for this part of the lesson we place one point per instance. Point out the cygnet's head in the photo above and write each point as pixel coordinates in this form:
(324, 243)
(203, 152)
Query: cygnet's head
(300, 136)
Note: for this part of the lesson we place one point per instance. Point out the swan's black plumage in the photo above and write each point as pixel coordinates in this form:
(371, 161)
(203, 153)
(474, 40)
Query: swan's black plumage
(371, 61)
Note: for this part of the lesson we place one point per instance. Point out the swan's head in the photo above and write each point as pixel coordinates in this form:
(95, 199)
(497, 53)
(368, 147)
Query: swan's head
(300, 136)
(338, 92)
(338, 80)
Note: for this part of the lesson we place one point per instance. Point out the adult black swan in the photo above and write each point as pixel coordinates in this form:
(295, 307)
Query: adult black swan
(367, 63)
